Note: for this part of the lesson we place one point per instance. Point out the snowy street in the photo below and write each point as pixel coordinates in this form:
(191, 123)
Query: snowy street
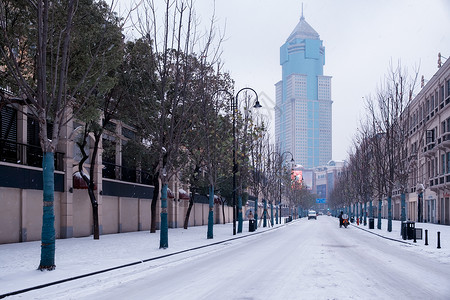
(306, 259)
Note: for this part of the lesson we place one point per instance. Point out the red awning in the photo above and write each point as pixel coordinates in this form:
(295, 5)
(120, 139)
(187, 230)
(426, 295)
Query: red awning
(183, 195)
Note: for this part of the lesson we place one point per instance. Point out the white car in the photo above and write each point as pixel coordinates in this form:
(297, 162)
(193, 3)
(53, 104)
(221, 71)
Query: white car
(312, 214)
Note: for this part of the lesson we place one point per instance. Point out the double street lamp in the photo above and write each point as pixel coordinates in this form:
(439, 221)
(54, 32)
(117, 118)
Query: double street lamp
(234, 107)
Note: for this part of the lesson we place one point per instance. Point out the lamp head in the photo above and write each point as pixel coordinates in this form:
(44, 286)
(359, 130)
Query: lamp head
(257, 104)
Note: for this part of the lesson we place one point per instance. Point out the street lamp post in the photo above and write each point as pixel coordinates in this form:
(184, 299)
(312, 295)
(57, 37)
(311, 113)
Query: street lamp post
(419, 189)
(281, 162)
(234, 108)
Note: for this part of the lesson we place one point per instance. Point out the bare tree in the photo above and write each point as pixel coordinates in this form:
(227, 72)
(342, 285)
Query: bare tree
(392, 98)
(174, 43)
(49, 69)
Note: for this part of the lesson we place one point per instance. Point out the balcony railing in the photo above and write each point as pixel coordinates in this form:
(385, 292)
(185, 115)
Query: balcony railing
(112, 171)
(27, 155)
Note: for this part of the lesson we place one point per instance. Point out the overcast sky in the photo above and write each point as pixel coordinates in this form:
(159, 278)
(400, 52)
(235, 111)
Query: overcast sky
(361, 38)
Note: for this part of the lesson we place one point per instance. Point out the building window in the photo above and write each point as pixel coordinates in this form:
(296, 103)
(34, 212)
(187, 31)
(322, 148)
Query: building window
(448, 88)
(448, 162)
(443, 164)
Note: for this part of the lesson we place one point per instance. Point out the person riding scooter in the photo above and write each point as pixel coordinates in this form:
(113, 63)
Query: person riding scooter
(345, 220)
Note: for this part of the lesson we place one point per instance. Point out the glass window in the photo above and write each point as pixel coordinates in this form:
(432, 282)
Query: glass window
(448, 162)
(448, 88)
(443, 163)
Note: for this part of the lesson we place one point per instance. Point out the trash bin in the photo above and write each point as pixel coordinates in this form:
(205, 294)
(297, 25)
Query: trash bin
(408, 230)
(251, 225)
(371, 223)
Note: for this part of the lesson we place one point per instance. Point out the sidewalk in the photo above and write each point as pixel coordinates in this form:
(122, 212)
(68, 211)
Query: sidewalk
(442, 254)
(78, 256)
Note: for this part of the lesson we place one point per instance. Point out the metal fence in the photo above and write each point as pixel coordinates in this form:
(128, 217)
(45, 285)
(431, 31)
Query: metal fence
(27, 155)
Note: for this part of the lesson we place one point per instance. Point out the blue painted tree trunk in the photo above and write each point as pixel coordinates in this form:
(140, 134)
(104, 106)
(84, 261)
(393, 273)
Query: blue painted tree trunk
(48, 217)
(256, 213)
(210, 234)
(240, 219)
(379, 215)
(389, 229)
(360, 212)
(164, 235)
(271, 214)
(265, 213)
(403, 204)
(365, 213)
(276, 214)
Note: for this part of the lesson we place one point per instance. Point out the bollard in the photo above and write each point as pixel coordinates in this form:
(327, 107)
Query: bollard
(439, 240)
(414, 233)
(426, 237)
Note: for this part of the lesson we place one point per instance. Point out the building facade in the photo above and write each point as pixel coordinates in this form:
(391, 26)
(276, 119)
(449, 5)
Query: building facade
(429, 151)
(303, 111)
(124, 193)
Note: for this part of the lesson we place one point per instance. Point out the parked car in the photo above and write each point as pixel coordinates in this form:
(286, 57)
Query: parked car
(312, 214)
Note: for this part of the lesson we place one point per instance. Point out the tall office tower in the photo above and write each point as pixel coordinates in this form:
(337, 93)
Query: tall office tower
(303, 99)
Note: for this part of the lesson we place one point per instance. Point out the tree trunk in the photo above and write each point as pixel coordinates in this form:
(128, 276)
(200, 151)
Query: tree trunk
(379, 214)
(240, 219)
(389, 229)
(48, 217)
(403, 204)
(153, 205)
(210, 235)
(256, 213)
(90, 181)
(164, 232)
(188, 213)
(223, 212)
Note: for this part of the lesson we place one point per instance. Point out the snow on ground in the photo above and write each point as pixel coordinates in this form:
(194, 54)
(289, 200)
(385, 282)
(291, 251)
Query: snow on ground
(78, 256)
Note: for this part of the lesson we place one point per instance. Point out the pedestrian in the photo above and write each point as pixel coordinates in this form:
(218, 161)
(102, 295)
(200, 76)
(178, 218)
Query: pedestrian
(340, 218)
(250, 215)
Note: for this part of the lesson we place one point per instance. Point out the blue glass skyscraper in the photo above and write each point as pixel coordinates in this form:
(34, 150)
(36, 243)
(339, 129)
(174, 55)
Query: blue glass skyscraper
(303, 98)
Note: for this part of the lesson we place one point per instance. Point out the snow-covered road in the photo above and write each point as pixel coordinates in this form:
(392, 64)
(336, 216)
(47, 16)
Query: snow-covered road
(312, 259)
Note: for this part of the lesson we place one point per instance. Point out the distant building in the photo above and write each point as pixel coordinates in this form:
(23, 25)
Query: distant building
(303, 99)
(325, 178)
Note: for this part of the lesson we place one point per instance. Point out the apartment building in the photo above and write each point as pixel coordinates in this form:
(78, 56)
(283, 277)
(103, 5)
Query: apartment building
(429, 151)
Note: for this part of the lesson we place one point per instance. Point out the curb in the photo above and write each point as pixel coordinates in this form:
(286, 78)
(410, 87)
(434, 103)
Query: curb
(384, 237)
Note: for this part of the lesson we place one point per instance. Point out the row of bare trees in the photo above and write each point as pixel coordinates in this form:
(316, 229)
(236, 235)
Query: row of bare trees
(69, 59)
(378, 162)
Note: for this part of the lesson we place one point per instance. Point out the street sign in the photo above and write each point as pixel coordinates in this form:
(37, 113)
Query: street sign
(321, 200)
